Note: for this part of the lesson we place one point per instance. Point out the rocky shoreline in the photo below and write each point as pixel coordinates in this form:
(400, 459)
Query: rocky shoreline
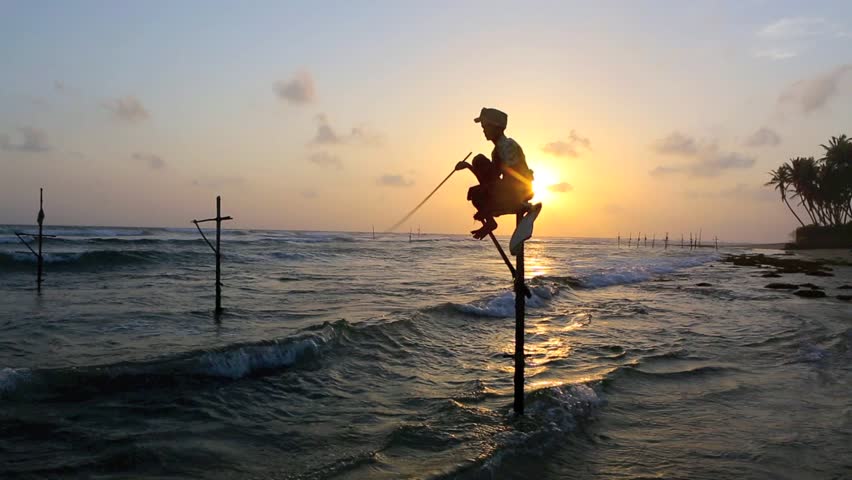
(780, 265)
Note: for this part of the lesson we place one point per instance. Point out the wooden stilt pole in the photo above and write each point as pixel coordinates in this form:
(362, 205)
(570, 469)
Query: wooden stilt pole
(217, 250)
(619, 240)
(667, 241)
(520, 305)
(39, 257)
(218, 254)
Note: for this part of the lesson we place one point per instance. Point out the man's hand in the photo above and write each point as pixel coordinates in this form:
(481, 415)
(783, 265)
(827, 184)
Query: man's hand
(462, 165)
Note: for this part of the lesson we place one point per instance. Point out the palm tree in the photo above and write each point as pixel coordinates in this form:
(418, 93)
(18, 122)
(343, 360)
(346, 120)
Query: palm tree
(781, 180)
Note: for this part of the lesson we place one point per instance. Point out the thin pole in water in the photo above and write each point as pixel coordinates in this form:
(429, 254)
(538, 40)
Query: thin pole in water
(520, 305)
(218, 254)
(217, 250)
(39, 257)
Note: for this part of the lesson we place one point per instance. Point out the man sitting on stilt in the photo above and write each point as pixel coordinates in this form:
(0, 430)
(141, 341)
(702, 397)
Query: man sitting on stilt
(505, 181)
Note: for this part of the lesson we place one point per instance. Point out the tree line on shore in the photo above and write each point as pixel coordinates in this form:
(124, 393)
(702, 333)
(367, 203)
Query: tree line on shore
(823, 187)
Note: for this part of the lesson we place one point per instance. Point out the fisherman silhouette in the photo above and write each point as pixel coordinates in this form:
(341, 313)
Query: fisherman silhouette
(505, 181)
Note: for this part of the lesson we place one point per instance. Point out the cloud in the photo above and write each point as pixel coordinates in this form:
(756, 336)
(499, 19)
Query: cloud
(153, 161)
(309, 193)
(811, 94)
(32, 140)
(127, 109)
(776, 53)
(676, 143)
(706, 158)
(394, 181)
(561, 187)
(762, 137)
(327, 135)
(367, 137)
(299, 90)
(325, 159)
(795, 27)
(739, 191)
(570, 147)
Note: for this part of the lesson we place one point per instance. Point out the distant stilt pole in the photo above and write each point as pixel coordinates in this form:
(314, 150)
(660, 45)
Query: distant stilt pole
(39, 257)
(374, 232)
(699, 238)
(409, 235)
(717, 244)
(519, 328)
(646, 239)
(667, 241)
(690, 241)
(619, 240)
(630, 240)
(638, 238)
(653, 240)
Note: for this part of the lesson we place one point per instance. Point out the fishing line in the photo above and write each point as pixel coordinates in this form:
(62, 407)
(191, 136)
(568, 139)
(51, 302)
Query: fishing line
(397, 224)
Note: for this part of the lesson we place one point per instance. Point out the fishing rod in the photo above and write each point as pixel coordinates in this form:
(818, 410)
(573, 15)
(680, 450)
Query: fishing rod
(412, 212)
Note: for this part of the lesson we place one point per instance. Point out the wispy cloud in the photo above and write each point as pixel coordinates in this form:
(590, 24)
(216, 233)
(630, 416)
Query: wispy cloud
(327, 135)
(706, 160)
(394, 181)
(763, 137)
(153, 161)
(127, 109)
(31, 140)
(811, 94)
(325, 159)
(776, 53)
(572, 147)
(795, 27)
(561, 187)
(298, 90)
(676, 143)
(739, 191)
(365, 136)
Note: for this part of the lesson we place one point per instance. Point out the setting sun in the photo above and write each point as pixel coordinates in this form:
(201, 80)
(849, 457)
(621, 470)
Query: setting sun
(545, 182)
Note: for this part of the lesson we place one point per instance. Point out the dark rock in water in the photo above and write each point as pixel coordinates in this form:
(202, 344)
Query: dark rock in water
(845, 287)
(703, 284)
(811, 286)
(809, 293)
(783, 265)
(845, 298)
(782, 286)
(819, 273)
(771, 275)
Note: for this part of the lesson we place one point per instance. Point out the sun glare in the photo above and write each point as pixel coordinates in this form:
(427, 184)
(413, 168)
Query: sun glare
(543, 180)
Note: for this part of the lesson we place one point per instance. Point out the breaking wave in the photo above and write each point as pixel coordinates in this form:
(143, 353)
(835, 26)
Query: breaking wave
(231, 363)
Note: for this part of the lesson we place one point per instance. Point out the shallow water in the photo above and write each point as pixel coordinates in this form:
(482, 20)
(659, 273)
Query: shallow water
(340, 356)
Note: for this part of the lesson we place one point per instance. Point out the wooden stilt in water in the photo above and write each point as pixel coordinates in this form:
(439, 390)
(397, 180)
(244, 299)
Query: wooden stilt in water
(40, 236)
(217, 250)
(667, 241)
(717, 244)
(520, 304)
(619, 239)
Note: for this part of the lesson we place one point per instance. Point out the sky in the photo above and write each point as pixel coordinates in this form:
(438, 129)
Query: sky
(636, 116)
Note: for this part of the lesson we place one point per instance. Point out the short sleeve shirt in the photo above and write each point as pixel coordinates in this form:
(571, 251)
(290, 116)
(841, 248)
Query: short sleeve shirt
(508, 154)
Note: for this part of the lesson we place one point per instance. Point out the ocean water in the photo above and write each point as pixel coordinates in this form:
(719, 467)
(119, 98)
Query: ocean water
(342, 356)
